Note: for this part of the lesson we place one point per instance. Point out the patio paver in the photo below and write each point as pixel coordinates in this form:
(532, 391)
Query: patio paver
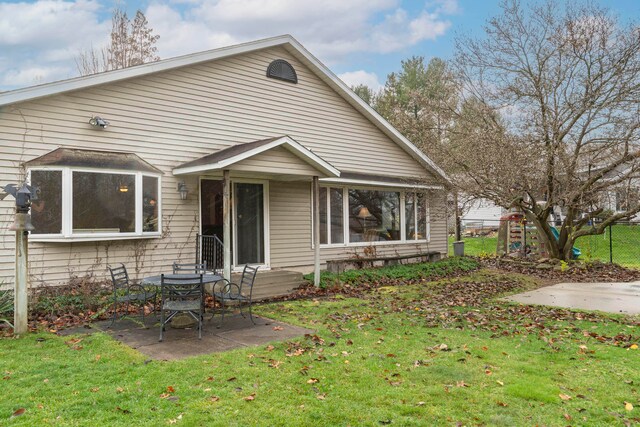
(236, 332)
(610, 297)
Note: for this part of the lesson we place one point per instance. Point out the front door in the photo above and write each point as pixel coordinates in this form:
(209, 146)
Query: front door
(249, 223)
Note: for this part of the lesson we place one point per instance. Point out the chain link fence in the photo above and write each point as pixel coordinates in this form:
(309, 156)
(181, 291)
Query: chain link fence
(620, 243)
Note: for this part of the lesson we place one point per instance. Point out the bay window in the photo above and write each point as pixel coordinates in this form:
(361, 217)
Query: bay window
(366, 216)
(94, 204)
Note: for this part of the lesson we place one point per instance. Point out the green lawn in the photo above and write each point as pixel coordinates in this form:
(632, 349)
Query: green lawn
(625, 239)
(432, 353)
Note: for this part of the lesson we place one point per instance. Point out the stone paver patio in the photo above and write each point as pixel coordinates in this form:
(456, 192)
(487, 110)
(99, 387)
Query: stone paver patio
(235, 332)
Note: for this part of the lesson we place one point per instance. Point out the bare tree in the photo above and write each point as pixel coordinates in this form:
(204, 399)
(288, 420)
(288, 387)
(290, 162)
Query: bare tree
(551, 115)
(132, 43)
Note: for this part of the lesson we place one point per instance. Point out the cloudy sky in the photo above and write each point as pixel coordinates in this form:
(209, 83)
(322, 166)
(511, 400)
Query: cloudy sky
(360, 40)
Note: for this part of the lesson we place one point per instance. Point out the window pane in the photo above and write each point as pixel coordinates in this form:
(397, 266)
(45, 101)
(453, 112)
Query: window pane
(46, 212)
(374, 215)
(410, 216)
(323, 215)
(149, 203)
(423, 216)
(337, 230)
(103, 203)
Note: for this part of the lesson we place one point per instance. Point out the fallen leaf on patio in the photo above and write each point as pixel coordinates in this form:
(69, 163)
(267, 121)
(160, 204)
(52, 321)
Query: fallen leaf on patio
(251, 397)
(628, 406)
(214, 398)
(18, 412)
(278, 328)
(564, 396)
(312, 380)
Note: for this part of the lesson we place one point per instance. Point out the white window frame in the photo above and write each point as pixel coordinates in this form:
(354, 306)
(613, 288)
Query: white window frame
(345, 217)
(67, 234)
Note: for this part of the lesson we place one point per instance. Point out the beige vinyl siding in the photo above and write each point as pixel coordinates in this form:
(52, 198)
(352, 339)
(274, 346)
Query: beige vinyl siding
(180, 115)
(278, 160)
(290, 223)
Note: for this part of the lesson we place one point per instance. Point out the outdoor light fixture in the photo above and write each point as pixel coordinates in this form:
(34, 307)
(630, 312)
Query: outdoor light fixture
(182, 189)
(98, 122)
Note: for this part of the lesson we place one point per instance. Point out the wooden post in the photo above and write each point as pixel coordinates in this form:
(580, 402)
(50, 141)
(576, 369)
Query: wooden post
(316, 232)
(226, 223)
(20, 317)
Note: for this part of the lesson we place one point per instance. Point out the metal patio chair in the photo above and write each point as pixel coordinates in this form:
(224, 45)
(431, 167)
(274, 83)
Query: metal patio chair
(237, 294)
(125, 292)
(189, 268)
(181, 293)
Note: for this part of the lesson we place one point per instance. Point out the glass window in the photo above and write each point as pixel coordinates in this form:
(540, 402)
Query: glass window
(410, 216)
(103, 203)
(46, 211)
(374, 215)
(323, 215)
(149, 203)
(337, 216)
(422, 216)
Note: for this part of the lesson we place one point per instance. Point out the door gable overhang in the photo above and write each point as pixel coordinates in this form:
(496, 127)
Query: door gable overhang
(233, 156)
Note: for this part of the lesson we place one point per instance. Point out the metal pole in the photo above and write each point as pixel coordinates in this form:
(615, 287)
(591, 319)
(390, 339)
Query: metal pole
(524, 236)
(21, 313)
(316, 232)
(610, 246)
(226, 224)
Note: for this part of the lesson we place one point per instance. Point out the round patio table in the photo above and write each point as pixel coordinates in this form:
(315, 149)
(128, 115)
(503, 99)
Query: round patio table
(157, 280)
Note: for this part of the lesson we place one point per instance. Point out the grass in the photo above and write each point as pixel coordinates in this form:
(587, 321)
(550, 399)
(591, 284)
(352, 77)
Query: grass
(625, 240)
(436, 353)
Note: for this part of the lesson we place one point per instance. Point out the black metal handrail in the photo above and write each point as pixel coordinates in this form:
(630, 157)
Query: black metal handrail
(210, 249)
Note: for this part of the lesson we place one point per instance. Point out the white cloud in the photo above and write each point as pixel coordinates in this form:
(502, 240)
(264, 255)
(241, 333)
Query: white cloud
(355, 78)
(43, 37)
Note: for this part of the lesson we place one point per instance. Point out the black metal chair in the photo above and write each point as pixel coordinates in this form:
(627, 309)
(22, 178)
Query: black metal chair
(125, 292)
(237, 294)
(189, 268)
(181, 293)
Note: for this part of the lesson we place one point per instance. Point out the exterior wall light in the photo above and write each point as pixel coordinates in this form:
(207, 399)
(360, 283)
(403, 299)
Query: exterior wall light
(182, 189)
(98, 122)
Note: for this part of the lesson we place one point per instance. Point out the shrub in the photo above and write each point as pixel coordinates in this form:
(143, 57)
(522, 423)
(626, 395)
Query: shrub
(407, 272)
(79, 295)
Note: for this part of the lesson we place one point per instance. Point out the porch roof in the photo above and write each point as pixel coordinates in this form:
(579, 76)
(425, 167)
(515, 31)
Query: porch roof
(232, 156)
(355, 178)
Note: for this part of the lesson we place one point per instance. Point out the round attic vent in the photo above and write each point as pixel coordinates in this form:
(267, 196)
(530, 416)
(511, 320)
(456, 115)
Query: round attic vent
(282, 70)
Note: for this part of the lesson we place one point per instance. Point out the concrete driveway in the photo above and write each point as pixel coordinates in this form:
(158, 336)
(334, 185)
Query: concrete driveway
(610, 297)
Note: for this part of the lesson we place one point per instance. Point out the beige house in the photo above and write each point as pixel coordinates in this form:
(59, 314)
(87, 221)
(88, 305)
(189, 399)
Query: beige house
(239, 142)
